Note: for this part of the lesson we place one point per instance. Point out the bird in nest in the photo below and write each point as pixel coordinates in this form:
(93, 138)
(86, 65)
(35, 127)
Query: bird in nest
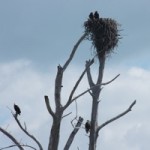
(96, 15)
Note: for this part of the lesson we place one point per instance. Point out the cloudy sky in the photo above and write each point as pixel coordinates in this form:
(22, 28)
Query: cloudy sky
(37, 35)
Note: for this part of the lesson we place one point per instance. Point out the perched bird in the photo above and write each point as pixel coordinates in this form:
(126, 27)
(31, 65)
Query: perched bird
(91, 16)
(87, 126)
(96, 15)
(17, 109)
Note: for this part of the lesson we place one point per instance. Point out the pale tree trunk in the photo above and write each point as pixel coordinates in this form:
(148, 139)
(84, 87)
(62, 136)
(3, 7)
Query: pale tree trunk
(93, 28)
(59, 109)
(55, 131)
(95, 103)
(57, 117)
(95, 93)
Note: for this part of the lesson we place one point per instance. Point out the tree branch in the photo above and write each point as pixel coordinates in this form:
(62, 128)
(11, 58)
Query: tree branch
(23, 145)
(91, 83)
(49, 107)
(58, 86)
(117, 117)
(73, 51)
(27, 133)
(111, 80)
(76, 85)
(66, 115)
(12, 138)
(75, 118)
(73, 133)
(81, 94)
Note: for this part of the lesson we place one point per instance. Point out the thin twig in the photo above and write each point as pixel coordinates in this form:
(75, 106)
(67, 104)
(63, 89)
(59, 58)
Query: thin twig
(75, 118)
(111, 80)
(76, 85)
(25, 126)
(117, 117)
(66, 115)
(76, 108)
(27, 133)
(73, 51)
(72, 122)
(23, 145)
(12, 138)
(81, 94)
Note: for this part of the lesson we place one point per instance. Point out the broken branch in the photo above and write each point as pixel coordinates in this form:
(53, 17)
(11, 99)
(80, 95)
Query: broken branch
(115, 118)
(73, 51)
(48, 106)
(73, 133)
(77, 83)
(111, 80)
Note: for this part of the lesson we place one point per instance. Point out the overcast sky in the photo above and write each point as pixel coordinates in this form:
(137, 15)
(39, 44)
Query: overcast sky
(37, 35)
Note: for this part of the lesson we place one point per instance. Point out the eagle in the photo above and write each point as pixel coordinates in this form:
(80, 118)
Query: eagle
(96, 15)
(17, 109)
(91, 16)
(87, 126)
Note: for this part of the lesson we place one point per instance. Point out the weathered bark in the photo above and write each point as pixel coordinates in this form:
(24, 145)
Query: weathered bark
(95, 103)
(94, 119)
(57, 117)
(55, 132)
(59, 109)
(73, 133)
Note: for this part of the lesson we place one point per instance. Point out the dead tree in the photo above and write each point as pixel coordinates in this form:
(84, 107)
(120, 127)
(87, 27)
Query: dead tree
(57, 115)
(103, 32)
(15, 141)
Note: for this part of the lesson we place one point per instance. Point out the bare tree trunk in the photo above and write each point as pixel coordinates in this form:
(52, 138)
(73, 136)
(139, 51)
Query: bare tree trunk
(94, 124)
(55, 131)
(95, 97)
(57, 115)
(54, 135)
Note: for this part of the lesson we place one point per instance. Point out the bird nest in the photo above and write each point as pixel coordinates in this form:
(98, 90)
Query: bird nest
(103, 32)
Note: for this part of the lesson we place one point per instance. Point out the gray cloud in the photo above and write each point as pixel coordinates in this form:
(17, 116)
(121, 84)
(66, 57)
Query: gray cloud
(37, 35)
(27, 87)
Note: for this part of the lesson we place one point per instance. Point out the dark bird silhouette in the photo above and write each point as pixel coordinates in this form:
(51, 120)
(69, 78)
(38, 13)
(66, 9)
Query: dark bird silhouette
(96, 15)
(91, 16)
(87, 126)
(17, 109)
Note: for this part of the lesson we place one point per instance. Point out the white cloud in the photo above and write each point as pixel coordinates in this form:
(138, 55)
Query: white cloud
(20, 82)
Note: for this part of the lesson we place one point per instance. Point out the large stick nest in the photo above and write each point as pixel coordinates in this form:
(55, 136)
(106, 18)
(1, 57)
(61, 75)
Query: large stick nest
(103, 32)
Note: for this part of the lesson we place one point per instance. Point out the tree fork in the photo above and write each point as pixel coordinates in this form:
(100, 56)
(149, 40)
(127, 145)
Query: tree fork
(95, 98)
